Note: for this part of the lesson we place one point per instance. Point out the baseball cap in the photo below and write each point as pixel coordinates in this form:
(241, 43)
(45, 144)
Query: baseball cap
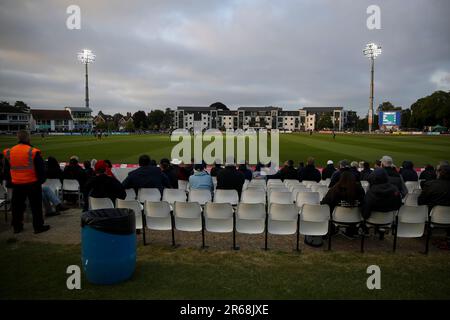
(330, 162)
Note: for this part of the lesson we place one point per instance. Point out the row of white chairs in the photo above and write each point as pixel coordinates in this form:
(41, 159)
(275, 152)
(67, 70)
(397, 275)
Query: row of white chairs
(310, 219)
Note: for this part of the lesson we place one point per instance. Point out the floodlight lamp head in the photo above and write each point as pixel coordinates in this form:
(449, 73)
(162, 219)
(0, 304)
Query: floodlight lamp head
(372, 50)
(86, 56)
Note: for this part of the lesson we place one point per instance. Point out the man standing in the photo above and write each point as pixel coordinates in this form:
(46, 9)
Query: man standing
(25, 168)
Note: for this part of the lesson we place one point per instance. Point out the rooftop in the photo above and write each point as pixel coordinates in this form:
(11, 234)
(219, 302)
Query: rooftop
(46, 114)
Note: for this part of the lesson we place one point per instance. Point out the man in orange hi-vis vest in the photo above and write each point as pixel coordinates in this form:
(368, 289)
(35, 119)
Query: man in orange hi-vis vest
(25, 169)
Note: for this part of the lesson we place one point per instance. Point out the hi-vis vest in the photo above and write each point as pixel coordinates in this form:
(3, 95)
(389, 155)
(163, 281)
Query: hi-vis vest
(21, 161)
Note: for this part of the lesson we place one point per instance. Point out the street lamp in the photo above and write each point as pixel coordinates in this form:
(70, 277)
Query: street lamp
(85, 57)
(371, 51)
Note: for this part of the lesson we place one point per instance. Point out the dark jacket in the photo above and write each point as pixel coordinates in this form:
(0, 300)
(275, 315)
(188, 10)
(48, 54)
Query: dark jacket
(287, 172)
(39, 167)
(328, 171)
(381, 197)
(103, 186)
(248, 175)
(409, 174)
(309, 173)
(172, 174)
(230, 179)
(396, 179)
(365, 173)
(337, 175)
(74, 171)
(338, 197)
(215, 170)
(54, 173)
(428, 174)
(356, 173)
(146, 177)
(434, 193)
(89, 172)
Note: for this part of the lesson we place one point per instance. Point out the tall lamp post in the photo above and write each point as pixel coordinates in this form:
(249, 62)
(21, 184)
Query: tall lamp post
(371, 51)
(85, 57)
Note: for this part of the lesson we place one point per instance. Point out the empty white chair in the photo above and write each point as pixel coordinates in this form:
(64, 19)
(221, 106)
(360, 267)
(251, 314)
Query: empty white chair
(226, 196)
(250, 218)
(291, 182)
(218, 217)
(253, 196)
(158, 217)
(280, 197)
(172, 195)
(274, 181)
(183, 185)
(260, 183)
(309, 183)
(188, 217)
(121, 173)
(100, 203)
(439, 218)
(307, 198)
(325, 182)
(282, 220)
(131, 194)
(71, 186)
(256, 188)
(321, 189)
(411, 185)
(202, 196)
(149, 194)
(245, 185)
(411, 221)
(136, 207)
(314, 220)
(296, 190)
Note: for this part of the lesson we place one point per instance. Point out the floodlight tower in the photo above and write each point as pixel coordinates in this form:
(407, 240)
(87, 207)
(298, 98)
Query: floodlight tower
(85, 57)
(371, 51)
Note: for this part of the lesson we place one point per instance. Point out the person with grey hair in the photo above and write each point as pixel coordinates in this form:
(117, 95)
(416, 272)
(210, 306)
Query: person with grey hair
(387, 163)
(354, 170)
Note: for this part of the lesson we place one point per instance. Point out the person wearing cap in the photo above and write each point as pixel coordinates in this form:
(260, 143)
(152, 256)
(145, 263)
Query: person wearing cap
(309, 172)
(103, 186)
(382, 195)
(229, 178)
(170, 171)
(394, 177)
(328, 171)
(201, 179)
(146, 176)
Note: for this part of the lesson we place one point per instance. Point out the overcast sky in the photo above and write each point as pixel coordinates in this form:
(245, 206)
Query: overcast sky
(157, 54)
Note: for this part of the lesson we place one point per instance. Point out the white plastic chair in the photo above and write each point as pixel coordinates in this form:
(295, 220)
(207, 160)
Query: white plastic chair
(71, 186)
(219, 219)
(188, 217)
(100, 203)
(309, 183)
(253, 196)
(325, 182)
(158, 217)
(411, 199)
(314, 220)
(379, 219)
(148, 194)
(321, 189)
(172, 195)
(250, 218)
(137, 208)
(280, 197)
(183, 185)
(226, 196)
(54, 184)
(410, 222)
(282, 220)
(291, 182)
(345, 216)
(202, 196)
(439, 218)
(131, 194)
(307, 198)
(411, 186)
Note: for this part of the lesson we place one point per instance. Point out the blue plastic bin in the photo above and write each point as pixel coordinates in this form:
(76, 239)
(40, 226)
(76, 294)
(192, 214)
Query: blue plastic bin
(108, 238)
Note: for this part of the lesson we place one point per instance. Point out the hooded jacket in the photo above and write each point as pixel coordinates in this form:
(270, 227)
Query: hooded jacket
(201, 180)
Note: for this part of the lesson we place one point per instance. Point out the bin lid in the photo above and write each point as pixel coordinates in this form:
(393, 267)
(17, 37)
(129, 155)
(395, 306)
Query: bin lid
(113, 220)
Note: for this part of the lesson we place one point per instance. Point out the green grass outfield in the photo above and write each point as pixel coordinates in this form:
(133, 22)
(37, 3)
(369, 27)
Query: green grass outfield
(126, 149)
(37, 271)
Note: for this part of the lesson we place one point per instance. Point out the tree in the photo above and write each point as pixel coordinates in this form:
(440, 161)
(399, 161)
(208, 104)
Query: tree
(129, 126)
(325, 122)
(431, 110)
(388, 106)
(219, 105)
(112, 126)
(116, 118)
(405, 118)
(101, 126)
(22, 106)
(168, 119)
(140, 120)
(155, 119)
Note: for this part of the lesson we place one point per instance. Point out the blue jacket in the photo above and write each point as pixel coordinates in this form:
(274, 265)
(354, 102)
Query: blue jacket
(201, 180)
